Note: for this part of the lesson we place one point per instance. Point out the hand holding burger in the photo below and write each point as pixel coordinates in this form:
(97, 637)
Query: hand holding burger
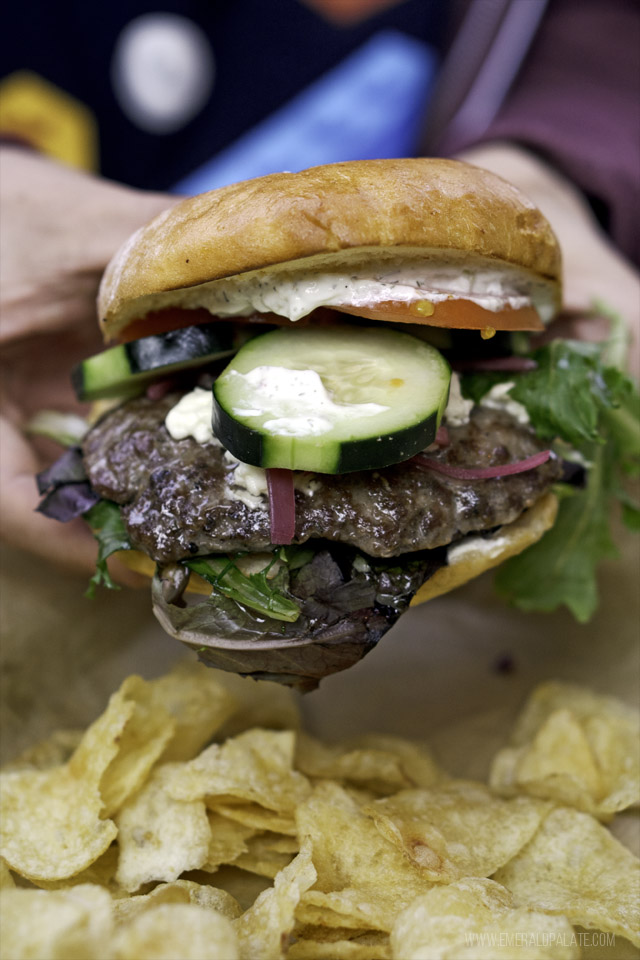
(331, 470)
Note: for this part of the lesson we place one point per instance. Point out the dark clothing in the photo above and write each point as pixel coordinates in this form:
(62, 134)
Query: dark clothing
(576, 102)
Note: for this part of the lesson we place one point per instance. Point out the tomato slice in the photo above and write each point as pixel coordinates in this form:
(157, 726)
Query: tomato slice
(458, 314)
(162, 321)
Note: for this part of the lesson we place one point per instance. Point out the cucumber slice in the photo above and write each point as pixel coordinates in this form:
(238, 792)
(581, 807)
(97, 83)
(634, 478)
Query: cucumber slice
(129, 366)
(330, 399)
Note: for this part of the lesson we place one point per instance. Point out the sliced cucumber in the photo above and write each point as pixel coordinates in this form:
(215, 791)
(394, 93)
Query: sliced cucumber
(123, 368)
(330, 399)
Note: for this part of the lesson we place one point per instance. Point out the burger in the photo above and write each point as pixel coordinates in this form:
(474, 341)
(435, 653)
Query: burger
(306, 416)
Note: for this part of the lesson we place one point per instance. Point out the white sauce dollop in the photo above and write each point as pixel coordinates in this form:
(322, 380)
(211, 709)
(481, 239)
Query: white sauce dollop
(191, 417)
(489, 547)
(498, 399)
(301, 404)
(295, 295)
(458, 410)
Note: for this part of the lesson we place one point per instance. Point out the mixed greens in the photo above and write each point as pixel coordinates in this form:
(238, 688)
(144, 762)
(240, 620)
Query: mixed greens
(252, 590)
(590, 409)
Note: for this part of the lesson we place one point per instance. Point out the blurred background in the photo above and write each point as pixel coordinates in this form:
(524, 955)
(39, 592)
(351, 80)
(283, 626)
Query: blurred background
(193, 94)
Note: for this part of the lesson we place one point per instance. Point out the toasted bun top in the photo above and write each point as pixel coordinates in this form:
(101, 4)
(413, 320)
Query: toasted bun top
(388, 204)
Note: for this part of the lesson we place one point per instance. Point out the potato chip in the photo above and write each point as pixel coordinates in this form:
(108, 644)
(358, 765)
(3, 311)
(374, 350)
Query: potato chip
(228, 840)
(416, 759)
(574, 866)
(362, 875)
(253, 815)
(383, 766)
(57, 925)
(256, 766)
(576, 747)
(325, 934)
(243, 886)
(263, 931)
(263, 857)
(6, 878)
(389, 843)
(101, 872)
(199, 703)
(173, 930)
(51, 826)
(476, 919)
(52, 752)
(101, 741)
(55, 821)
(281, 843)
(181, 891)
(367, 946)
(145, 736)
(457, 830)
(337, 910)
(160, 837)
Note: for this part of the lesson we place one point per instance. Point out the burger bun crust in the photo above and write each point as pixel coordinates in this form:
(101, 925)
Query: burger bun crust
(320, 215)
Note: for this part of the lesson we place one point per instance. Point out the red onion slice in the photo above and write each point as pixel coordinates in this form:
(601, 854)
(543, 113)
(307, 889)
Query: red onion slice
(442, 436)
(507, 364)
(159, 389)
(482, 473)
(282, 505)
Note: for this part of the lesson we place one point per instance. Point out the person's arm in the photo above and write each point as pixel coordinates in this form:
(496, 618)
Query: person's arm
(574, 105)
(566, 135)
(59, 228)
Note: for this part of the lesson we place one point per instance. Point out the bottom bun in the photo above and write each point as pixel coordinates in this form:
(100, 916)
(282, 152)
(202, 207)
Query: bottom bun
(475, 554)
(141, 563)
(467, 559)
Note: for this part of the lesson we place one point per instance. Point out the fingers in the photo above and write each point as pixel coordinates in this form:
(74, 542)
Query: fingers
(59, 229)
(578, 326)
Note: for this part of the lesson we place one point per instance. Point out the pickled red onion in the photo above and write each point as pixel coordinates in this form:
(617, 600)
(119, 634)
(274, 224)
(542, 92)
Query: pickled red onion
(282, 505)
(481, 473)
(506, 364)
(442, 436)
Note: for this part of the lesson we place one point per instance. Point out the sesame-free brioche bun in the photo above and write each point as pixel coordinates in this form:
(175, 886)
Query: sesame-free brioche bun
(323, 218)
(475, 555)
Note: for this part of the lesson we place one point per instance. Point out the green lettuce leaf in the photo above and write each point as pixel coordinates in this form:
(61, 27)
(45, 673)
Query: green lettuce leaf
(566, 395)
(630, 510)
(254, 590)
(107, 527)
(560, 569)
(578, 397)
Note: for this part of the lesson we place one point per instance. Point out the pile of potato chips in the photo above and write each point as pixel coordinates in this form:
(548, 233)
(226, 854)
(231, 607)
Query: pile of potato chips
(194, 820)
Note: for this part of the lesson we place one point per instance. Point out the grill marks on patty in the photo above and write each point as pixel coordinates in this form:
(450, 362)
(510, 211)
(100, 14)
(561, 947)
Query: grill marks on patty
(176, 494)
